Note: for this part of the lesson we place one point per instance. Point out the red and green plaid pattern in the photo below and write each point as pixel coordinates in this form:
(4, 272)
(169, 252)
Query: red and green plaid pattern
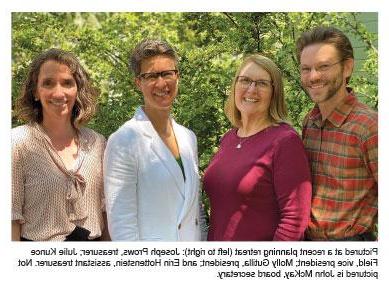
(343, 154)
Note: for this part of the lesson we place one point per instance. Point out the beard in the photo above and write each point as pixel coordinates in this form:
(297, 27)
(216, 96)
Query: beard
(332, 87)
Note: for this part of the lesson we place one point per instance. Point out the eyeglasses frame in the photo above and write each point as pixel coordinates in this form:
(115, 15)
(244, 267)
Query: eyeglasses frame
(159, 74)
(327, 68)
(256, 82)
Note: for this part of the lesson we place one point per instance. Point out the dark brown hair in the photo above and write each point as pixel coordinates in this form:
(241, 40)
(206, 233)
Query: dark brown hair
(149, 48)
(27, 109)
(326, 35)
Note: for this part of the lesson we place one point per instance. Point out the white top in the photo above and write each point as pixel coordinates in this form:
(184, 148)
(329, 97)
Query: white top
(147, 197)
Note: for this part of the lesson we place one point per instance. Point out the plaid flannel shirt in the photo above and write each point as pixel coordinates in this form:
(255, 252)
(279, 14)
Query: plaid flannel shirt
(343, 154)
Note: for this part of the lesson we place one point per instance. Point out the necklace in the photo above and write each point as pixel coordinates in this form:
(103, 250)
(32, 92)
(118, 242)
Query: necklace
(244, 139)
(241, 141)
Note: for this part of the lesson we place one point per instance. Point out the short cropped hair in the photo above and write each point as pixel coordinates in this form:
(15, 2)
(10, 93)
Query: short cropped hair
(277, 110)
(150, 48)
(30, 110)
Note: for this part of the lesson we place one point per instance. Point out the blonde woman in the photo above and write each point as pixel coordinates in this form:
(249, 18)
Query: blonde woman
(259, 181)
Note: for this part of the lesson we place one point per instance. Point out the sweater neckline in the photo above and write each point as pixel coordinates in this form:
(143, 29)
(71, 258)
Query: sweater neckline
(265, 130)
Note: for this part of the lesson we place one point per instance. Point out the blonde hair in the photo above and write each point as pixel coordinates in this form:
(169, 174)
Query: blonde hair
(277, 110)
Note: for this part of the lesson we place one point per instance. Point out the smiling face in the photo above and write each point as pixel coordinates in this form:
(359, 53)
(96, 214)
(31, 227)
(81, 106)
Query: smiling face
(160, 92)
(253, 101)
(323, 74)
(56, 90)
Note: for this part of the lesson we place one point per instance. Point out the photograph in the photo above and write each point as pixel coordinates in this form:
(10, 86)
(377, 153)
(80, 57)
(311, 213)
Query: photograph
(248, 134)
(211, 126)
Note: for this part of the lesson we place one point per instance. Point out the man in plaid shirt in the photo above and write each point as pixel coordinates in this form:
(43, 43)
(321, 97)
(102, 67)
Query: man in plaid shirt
(340, 135)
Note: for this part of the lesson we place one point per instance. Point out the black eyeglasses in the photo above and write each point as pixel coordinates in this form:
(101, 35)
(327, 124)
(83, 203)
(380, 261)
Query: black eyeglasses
(153, 76)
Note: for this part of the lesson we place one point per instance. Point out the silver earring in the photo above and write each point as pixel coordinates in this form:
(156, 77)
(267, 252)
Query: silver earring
(36, 99)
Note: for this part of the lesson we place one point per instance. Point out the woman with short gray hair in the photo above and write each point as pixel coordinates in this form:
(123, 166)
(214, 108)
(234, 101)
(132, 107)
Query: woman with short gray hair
(150, 169)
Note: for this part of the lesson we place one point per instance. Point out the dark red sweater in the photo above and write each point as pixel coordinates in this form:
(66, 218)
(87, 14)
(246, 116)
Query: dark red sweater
(261, 191)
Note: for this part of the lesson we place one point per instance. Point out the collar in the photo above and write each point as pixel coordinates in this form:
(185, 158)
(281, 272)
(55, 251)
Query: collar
(339, 114)
(147, 127)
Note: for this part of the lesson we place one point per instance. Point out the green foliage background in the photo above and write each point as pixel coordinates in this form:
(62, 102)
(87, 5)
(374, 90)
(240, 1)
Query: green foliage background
(210, 46)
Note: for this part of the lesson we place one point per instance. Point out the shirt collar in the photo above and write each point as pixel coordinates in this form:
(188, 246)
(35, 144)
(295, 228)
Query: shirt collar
(339, 114)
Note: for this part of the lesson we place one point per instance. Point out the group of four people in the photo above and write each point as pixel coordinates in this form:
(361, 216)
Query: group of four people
(264, 183)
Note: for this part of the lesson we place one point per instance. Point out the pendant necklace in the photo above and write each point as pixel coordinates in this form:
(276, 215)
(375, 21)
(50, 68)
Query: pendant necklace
(241, 141)
(244, 139)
